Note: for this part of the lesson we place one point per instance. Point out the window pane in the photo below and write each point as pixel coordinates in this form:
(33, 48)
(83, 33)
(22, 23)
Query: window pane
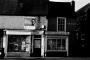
(60, 21)
(54, 44)
(51, 44)
(37, 43)
(58, 44)
(60, 27)
(61, 24)
(63, 44)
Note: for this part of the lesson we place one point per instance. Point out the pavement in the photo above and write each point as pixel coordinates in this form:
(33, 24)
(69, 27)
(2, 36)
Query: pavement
(47, 58)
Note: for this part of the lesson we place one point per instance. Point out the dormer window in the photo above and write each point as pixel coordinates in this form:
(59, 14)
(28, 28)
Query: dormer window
(61, 24)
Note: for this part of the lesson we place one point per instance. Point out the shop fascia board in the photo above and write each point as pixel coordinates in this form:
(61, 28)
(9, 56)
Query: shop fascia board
(23, 32)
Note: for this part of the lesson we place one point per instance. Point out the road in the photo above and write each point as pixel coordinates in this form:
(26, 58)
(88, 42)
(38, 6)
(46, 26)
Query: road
(49, 58)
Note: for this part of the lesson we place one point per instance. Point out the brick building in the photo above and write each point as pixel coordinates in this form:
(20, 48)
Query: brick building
(61, 29)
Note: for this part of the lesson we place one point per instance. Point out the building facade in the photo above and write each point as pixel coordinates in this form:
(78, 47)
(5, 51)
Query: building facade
(61, 25)
(23, 35)
(83, 31)
(48, 35)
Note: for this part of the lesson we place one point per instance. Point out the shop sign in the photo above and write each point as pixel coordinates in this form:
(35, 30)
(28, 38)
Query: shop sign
(30, 23)
(15, 32)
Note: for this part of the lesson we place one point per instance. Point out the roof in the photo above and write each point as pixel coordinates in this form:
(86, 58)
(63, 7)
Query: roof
(24, 7)
(60, 9)
(83, 10)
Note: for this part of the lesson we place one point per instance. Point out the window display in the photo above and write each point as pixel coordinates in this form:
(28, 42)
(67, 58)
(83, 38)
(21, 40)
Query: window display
(18, 43)
(56, 44)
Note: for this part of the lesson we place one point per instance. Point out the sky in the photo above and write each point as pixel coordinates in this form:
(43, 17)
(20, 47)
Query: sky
(78, 3)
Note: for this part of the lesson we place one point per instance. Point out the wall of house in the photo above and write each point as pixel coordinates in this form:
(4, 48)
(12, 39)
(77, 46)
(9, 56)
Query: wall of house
(83, 35)
(70, 24)
(20, 22)
(24, 7)
(8, 6)
(52, 24)
(11, 22)
(34, 7)
(71, 27)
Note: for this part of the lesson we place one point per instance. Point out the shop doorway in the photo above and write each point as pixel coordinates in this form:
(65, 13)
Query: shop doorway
(37, 45)
(18, 45)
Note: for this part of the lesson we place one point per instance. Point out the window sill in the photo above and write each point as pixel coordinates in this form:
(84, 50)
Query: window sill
(56, 50)
(62, 33)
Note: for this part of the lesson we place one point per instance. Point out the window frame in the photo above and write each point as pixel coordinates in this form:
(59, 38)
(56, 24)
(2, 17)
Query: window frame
(17, 36)
(64, 24)
(61, 37)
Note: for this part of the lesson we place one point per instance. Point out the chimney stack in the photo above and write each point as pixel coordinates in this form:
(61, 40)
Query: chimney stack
(73, 5)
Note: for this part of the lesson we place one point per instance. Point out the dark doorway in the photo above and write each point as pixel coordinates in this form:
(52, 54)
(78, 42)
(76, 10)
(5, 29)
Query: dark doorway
(37, 46)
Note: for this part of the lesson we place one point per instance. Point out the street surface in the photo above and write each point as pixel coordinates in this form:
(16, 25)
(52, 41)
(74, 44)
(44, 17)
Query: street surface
(48, 58)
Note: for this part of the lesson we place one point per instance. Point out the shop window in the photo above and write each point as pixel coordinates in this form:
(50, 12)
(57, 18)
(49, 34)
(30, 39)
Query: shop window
(18, 43)
(61, 24)
(56, 44)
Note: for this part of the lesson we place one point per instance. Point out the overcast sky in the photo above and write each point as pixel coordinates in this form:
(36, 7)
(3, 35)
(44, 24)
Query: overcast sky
(78, 3)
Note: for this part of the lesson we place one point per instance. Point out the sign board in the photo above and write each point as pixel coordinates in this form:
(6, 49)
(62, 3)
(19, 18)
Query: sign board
(30, 23)
(15, 32)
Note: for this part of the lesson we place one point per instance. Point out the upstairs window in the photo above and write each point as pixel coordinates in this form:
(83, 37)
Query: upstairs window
(61, 24)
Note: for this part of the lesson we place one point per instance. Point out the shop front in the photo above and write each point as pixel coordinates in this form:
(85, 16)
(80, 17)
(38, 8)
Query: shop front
(57, 44)
(17, 43)
(23, 43)
(23, 35)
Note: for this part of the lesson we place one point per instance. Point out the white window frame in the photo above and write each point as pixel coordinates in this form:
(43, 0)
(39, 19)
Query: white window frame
(66, 47)
(61, 37)
(64, 25)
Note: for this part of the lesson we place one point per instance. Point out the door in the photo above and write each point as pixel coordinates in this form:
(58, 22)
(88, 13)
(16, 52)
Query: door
(37, 46)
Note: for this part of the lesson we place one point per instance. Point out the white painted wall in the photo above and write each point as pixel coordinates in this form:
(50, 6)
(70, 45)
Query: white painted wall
(13, 22)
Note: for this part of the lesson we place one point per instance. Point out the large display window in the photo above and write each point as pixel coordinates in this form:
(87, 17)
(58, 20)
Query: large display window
(54, 44)
(18, 43)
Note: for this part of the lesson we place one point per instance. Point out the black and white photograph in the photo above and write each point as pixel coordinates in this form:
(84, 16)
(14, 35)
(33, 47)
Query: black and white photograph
(44, 29)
